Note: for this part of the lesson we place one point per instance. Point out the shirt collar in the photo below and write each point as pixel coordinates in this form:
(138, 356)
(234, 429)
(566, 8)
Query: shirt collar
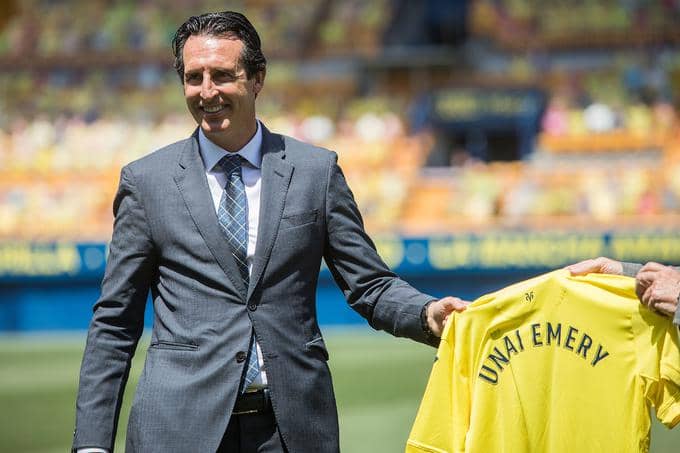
(212, 153)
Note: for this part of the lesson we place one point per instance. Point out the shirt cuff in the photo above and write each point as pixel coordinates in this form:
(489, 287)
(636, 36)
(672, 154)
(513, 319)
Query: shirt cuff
(430, 337)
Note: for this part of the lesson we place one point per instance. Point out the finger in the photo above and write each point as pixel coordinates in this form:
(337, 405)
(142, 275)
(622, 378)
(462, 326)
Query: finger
(451, 300)
(583, 267)
(652, 266)
(645, 279)
(461, 305)
(646, 298)
(454, 304)
(665, 308)
(640, 288)
(600, 265)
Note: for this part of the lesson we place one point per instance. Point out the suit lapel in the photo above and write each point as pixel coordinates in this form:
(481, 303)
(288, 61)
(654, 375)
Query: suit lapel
(193, 185)
(276, 175)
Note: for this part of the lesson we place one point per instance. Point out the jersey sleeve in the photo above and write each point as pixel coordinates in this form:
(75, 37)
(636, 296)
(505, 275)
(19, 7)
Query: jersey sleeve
(659, 361)
(668, 394)
(442, 419)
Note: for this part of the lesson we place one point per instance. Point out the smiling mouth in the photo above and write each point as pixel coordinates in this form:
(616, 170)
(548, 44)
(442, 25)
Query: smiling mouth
(212, 108)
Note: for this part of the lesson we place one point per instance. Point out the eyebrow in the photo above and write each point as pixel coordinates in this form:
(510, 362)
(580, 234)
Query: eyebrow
(231, 71)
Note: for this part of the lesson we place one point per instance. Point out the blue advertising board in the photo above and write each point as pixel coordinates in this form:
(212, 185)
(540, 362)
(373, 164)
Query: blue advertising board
(52, 286)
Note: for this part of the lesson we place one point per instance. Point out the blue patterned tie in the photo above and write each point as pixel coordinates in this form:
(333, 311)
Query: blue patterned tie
(233, 217)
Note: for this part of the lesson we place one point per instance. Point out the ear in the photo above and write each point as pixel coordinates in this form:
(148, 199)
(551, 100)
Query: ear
(258, 83)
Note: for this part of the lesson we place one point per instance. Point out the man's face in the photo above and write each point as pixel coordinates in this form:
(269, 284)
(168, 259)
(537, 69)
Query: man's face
(218, 93)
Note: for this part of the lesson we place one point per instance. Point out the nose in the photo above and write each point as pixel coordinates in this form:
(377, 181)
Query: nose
(207, 88)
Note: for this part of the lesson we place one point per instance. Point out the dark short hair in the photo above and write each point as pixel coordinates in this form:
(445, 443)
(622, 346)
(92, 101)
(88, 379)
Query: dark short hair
(224, 24)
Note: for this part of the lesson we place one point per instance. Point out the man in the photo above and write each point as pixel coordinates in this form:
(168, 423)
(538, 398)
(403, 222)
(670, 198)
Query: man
(657, 286)
(227, 230)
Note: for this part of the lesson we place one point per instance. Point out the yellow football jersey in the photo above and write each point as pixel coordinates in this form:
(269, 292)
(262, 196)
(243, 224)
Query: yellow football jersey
(552, 364)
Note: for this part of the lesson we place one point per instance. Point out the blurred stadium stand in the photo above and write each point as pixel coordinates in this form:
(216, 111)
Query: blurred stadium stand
(512, 120)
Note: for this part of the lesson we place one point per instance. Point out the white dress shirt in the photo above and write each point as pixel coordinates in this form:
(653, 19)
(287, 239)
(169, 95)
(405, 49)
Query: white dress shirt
(251, 173)
(252, 180)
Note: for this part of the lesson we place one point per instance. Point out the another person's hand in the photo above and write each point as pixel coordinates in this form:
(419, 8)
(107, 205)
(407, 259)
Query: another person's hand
(658, 286)
(438, 312)
(599, 265)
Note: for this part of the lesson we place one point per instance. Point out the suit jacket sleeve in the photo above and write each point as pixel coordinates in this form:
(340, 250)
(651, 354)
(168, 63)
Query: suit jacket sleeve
(631, 269)
(371, 289)
(117, 322)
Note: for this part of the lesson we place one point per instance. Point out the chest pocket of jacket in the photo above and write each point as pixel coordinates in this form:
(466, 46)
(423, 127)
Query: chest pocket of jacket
(298, 219)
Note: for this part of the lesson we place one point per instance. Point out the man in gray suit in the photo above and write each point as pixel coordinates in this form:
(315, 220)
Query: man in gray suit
(227, 230)
(657, 286)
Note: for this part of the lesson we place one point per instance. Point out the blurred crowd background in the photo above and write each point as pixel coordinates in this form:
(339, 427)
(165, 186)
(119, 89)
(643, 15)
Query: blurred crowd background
(448, 116)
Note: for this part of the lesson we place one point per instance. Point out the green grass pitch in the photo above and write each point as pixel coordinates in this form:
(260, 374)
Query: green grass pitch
(378, 380)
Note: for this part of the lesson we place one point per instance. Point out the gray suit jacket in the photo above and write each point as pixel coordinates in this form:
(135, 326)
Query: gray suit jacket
(167, 240)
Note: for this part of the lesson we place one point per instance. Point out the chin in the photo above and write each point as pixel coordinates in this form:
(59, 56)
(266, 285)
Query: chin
(212, 128)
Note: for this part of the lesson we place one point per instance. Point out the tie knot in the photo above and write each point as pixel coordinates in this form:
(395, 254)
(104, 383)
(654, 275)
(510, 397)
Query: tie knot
(230, 163)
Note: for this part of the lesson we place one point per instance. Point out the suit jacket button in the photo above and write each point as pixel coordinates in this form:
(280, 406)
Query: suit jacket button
(240, 357)
(252, 306)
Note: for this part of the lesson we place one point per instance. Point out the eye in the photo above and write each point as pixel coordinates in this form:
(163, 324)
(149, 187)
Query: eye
(192, 78)
(224, 76)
